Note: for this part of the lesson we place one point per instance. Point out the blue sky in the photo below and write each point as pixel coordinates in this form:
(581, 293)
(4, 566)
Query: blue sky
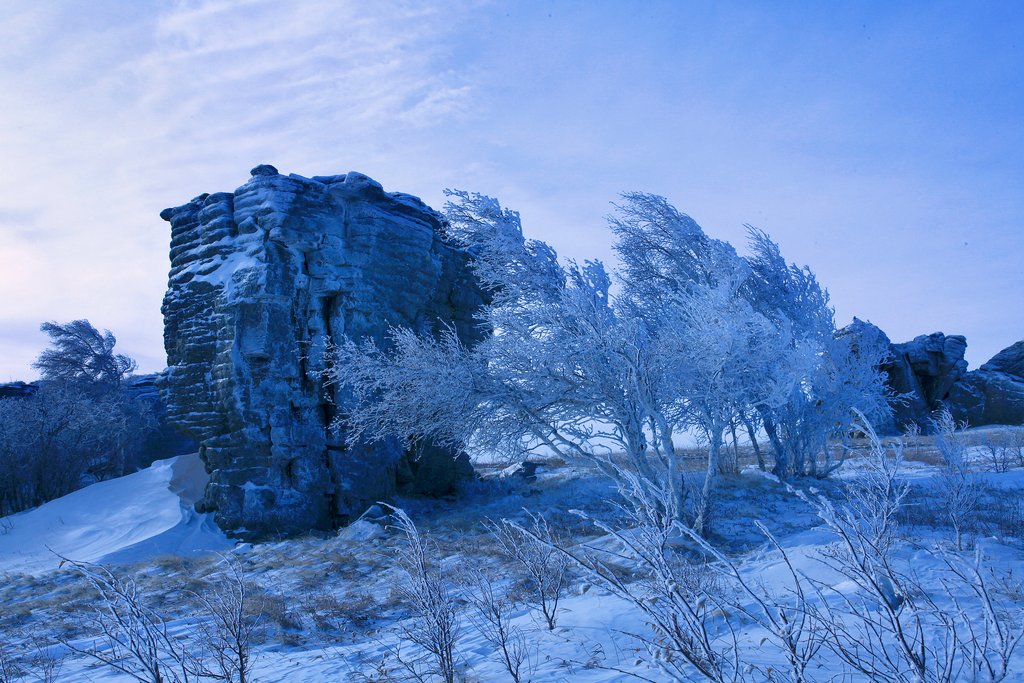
(880, 143)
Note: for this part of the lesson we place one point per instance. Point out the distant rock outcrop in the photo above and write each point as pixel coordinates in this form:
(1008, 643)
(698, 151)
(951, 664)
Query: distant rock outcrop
(994, 393)
(18, 389)
(930, 372)
(260, 280)
(161, 440)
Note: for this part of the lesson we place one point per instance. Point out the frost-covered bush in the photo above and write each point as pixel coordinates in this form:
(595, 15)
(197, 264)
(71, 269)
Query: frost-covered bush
(433, 628)
(957, 484)
(128, 635)
(1003, 448)
(229, 623)
(884, 622)
(491, 616)
(681, 600)
(534, 552)
(30, 661)
(78, 425)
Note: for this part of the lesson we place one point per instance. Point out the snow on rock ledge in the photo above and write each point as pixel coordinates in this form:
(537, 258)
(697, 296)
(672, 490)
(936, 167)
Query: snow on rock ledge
(260, 280)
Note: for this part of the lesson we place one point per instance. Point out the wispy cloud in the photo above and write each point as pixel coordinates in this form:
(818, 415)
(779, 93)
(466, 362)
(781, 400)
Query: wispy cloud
(872, 141)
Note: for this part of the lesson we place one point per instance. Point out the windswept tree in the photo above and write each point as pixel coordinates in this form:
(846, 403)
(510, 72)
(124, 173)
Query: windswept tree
(610, 379)
(840, 375)
(81, 354)
(826, 375)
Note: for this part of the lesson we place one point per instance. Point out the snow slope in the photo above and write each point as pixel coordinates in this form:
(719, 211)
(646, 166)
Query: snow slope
(131, 518)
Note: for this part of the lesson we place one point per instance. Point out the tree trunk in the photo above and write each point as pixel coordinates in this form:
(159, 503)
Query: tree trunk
(753, 441)
(781, 469)
(702, 524)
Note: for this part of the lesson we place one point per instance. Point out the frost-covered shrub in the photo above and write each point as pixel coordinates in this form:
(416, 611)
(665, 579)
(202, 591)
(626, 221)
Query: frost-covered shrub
(128, 635)
(957, 484)
(1003, 448)
(491, 616)
(229, 625)
(534, 551)
(52, 441)
(433, 626)
(893, 627)
(78, 425)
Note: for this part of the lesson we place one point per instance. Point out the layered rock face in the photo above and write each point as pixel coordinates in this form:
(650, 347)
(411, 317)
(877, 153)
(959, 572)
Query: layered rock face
(261, 281)
(994, 393)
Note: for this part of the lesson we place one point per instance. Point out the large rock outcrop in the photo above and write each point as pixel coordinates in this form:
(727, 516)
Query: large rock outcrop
(261, 280)
(994, 393)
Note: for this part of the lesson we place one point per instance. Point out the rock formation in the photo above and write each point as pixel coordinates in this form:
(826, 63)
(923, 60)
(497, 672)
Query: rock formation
(260, 281)
(922, 372)
(162, 439)
(18, 389)
(930, 372)
(994, 393)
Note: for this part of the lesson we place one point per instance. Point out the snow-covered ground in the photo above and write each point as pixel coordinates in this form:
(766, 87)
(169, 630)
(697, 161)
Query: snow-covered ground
(331, 606)
(128, 519)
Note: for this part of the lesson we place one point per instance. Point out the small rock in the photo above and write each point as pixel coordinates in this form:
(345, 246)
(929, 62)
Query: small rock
(263, 169)
(526, 470)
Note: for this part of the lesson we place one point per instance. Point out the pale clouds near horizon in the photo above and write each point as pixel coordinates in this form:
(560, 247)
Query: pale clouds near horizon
(882, 147)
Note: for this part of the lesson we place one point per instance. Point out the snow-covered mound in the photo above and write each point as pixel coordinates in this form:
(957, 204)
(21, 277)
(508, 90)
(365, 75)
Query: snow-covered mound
(131, 518)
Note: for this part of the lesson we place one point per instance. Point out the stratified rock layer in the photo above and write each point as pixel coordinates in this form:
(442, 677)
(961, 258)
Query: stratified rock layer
(261, 281)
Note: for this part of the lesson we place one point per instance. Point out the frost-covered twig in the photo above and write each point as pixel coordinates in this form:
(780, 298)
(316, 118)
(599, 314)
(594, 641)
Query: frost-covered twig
(222, 639)
(875, 496)
(891, 626)
(134, 639)
(992, 643)
(680, 601)
(492, 618)
(546, 568)
(434, 626)
(787, 617)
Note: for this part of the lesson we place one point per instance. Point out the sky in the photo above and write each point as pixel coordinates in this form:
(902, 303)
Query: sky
(882, 144)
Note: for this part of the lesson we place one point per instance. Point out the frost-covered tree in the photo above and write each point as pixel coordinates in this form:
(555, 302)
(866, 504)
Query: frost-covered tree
(734, 359)
(563, 369)
(840, 373)
(697, 338)
(61, 436)
(78, 424)
(665, 255)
